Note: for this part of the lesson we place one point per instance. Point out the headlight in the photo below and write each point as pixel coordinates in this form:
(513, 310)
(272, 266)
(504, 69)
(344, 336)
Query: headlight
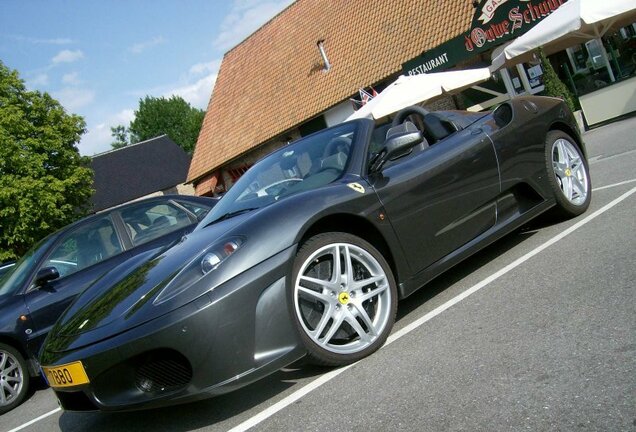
(205, 262)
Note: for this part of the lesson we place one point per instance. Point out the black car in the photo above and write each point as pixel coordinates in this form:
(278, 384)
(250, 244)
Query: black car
(35, 291)
(360, 216)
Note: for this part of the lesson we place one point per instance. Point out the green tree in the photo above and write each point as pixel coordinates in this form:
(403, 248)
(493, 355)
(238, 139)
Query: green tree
(121, 135)
(44, 182)
(157, 116)
(553, 85)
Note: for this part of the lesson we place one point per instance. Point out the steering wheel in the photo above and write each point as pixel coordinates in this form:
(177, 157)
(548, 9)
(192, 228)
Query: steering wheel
(403, 114)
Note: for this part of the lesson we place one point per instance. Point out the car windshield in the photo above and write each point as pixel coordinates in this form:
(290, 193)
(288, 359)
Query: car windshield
(18, 274)
(306, 164)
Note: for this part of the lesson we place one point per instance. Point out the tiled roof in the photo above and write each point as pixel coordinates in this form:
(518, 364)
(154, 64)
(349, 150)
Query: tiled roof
(274, 80)
(137, 170)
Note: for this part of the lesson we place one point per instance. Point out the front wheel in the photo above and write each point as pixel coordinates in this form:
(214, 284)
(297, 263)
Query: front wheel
(343, 298)
(568, 174)
(14, 378)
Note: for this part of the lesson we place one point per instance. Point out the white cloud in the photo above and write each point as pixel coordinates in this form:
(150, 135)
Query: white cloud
(50, 41)
(98, 139)
(67, 56)
(39, 80)
(195, 86)
(71, 78)
(202, 68)
(196, 94)
(123, 117)
(140, 47)
(56, 41)
(246, 17)
(73, 98)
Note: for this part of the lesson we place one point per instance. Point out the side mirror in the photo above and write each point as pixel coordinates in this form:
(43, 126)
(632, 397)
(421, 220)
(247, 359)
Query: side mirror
(398, 143)
(46, 274)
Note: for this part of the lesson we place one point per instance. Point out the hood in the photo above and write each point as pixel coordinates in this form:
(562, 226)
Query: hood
(123, 298)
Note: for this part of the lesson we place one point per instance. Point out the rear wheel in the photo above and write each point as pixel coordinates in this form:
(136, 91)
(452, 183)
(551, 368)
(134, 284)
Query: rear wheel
(568, 174)
(343, 300)
(14, 378)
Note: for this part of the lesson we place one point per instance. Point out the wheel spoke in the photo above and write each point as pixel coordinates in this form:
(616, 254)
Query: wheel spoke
(12, 392)
(373, 293)
(314, 295)
(3, 360)
(353, 322)
(16, 379)
(348, 264)
(566, 185)
(577, 187)
(563, 153)
(335, 325)
(337, 270)
(366, 282)
(10, 369)
(323, 322)
(362, 313)
(318, 283)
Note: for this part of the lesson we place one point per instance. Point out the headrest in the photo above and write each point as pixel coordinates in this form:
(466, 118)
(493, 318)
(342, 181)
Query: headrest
(402, 128)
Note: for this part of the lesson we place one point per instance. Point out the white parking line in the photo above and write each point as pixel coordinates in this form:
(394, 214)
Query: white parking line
(614, 185)
(35, 420)
(265, 414)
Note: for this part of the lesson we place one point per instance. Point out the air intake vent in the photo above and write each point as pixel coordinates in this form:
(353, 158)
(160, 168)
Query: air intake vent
(163, 371)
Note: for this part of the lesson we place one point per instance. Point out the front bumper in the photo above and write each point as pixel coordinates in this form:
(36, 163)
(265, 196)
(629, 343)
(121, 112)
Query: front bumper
(229, 337)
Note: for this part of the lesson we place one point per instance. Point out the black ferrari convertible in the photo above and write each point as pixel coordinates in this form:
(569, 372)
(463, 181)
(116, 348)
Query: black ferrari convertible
(309, 252)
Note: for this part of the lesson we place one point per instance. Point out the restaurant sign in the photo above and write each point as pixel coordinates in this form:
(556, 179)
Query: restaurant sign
(494, 22)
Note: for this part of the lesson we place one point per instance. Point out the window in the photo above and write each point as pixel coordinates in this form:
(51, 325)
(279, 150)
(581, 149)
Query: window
(149, 221)
(199, 210)
(306, 164)
(87, 245)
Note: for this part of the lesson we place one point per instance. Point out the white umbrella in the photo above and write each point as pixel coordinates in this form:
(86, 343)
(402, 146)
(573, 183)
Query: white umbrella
(572, 23)
(415, 89)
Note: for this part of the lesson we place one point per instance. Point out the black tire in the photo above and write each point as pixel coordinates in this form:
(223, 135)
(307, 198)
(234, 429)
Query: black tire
(14, 378)
(344, 319)
(572, 201)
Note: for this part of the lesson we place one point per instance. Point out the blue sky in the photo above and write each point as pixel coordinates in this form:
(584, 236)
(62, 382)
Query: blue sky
(98, 58)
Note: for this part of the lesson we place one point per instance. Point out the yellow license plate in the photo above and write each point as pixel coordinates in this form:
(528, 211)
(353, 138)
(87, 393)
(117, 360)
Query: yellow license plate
(67, 375)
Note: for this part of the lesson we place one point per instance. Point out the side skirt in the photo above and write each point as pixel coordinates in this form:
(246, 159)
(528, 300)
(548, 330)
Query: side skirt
(500, 229)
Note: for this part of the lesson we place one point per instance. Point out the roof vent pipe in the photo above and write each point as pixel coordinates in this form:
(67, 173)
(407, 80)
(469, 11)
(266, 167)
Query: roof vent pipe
(323, 54)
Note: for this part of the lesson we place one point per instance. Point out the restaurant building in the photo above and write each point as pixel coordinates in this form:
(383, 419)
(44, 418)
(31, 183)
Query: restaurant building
(315, 62)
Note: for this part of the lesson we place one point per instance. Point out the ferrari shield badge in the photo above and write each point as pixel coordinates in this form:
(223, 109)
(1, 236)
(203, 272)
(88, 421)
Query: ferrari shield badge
(356, 187)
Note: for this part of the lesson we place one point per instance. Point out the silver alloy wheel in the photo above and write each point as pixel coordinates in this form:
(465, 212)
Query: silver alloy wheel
(11, 378)
(570, 171)
(342, 298)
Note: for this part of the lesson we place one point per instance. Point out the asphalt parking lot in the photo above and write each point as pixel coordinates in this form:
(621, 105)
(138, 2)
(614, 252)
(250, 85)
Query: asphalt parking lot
(536, 332)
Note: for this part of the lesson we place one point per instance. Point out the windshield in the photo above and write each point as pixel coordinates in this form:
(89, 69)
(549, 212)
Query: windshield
(18, 274)
(306, 164)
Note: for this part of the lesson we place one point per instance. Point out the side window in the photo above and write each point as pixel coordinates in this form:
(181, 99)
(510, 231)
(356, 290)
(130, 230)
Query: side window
(198, 209)
(87, 245)
(151, 220)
